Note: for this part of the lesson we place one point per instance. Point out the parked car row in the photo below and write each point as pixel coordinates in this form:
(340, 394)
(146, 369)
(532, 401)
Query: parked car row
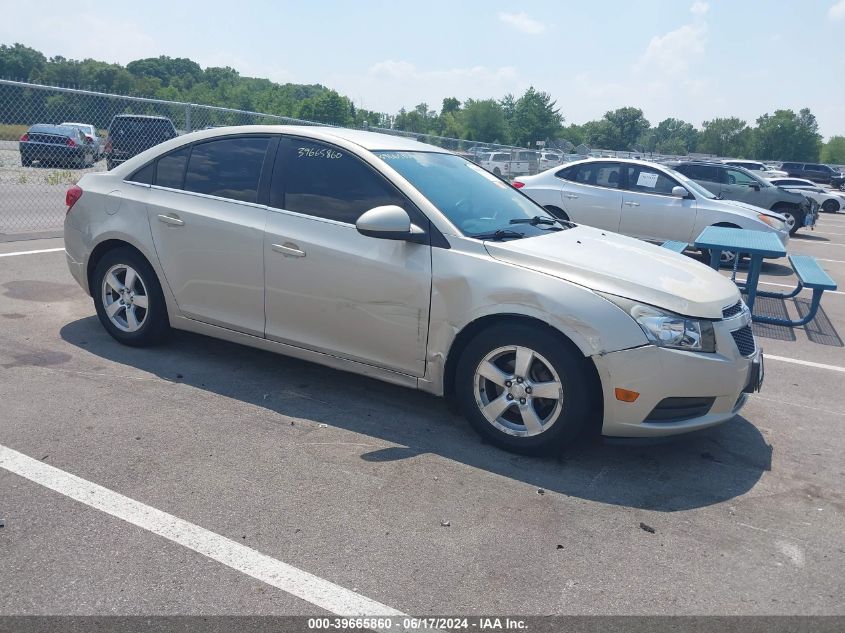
(78, 145)
(404, 262)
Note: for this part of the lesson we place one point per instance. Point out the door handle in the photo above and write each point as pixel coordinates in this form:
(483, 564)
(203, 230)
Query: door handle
(570, 196)
(288, 249)
(633, 204)
(172, 220)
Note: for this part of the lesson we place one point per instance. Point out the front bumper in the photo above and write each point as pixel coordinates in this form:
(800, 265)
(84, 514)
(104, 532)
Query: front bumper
(657, 374)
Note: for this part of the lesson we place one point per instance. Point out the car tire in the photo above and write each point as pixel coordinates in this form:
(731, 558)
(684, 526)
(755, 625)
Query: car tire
(109, 165)
(497, 171)
(793, 220)
(487, 384)
(830, 206)
(125, 316)
(560, 214)
(26, 162)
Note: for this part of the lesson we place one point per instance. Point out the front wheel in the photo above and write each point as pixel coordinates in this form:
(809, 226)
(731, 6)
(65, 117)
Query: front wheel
(791, 217)
(830, 206)
(128, 298)
(522, 388)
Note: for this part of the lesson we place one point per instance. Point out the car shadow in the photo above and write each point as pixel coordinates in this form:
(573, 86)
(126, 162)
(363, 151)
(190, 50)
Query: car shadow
(809, 237)
(679, 473)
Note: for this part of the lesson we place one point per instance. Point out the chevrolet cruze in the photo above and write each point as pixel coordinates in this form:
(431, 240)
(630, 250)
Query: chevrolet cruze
(401, 261)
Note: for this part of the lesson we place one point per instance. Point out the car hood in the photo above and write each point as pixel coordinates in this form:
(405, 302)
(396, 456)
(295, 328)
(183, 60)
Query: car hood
(623, 266)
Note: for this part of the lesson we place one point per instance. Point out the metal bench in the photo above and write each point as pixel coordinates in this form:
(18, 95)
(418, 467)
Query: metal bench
(673, 245)
(810, 275)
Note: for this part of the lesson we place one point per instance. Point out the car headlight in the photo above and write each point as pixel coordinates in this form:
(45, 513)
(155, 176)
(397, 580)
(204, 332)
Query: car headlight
(667, 329)
(776, 224)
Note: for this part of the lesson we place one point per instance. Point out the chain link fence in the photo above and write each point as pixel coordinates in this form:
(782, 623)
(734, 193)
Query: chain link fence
(51, 136)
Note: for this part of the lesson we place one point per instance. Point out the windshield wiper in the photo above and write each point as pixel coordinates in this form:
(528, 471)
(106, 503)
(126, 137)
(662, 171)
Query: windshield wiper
(542, 219)
(499, 234)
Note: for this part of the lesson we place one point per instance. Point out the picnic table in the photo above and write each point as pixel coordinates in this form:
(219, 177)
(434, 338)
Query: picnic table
(759, 246)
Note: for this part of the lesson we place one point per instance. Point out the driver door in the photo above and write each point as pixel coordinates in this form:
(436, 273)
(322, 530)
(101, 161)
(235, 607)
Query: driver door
(737, 185)
(327, 287)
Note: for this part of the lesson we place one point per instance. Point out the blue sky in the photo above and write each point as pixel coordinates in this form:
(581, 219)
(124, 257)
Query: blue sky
(692, 59)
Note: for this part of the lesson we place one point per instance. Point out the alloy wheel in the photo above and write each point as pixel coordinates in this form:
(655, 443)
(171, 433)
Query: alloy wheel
(125, 298)
(518, 391)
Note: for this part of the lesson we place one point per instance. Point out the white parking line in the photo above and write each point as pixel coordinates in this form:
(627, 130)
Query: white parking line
(319, 592)
(807, 363)
(43, 250)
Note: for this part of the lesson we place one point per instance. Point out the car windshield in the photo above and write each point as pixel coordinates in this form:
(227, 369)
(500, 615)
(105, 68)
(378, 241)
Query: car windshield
(691, 185)
(474, 200)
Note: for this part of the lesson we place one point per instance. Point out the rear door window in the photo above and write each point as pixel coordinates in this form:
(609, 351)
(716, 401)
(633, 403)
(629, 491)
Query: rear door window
(170, 169)
(599, 174)
(227, 168)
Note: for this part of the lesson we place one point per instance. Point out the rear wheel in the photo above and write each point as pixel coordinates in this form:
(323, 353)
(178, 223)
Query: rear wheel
(522, 388)
(497, 171)
(128, 298)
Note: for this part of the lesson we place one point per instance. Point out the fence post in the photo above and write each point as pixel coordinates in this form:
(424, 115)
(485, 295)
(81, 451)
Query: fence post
(188, 117)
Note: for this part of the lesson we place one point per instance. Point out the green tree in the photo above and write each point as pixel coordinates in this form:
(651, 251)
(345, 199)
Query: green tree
(535, 118)
(484, 120)
(785, 135)
(620, 129)
(327, 107)
(725, 137)
(19, 62)
(673, 136)
(834, 151)
(450, 105)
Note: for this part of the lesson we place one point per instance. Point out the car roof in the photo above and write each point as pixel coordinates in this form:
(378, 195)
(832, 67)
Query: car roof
(367, 140)
(141, 116)
(803, 181)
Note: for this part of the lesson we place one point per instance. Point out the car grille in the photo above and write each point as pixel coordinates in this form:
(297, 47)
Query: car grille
(679, 409)
(744, 339)
(733, 310)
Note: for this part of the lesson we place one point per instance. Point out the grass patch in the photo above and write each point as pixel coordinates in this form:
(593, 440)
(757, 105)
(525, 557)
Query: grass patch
(61, 178)
(12, 132)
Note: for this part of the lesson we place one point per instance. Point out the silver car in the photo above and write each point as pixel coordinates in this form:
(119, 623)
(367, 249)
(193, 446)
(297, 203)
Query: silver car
(401, 261)
(643, 200)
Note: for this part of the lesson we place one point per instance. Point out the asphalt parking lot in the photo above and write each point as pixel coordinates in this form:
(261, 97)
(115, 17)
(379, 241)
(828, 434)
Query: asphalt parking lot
(316, 488)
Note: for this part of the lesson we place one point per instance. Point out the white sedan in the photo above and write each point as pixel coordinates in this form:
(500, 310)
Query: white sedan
(641, 199)
(761, 169)
(830, 200)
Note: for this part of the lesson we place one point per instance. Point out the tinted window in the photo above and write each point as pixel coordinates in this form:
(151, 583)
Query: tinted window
(648, 180)
(709, 173)
(330, 183)
(144, 175)
(600, 174)
(228, 168)
(568, 173)
(737, 177)
(170, 169)
(790, 166)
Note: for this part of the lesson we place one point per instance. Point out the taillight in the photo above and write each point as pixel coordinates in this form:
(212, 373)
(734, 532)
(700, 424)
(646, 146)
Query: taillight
(72, 196)
(70, 142)
(518, 185)
(108, 146)
(25, 138)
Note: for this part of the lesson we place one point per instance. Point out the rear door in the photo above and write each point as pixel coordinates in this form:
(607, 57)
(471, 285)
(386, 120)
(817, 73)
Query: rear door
(207, 215)
(593, 197)
(650, 211)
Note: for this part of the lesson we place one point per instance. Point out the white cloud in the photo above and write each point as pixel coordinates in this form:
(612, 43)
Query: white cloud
(699, 8)
(392, 84)
(673, 52)
(837, 11)
(522, 22)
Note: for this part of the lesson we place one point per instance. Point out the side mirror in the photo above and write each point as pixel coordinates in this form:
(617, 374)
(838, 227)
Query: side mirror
(756, 187)
(680, 192)
(389, 222)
